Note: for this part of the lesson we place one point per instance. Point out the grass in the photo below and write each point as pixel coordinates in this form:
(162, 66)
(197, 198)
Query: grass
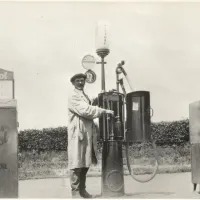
(172, 159)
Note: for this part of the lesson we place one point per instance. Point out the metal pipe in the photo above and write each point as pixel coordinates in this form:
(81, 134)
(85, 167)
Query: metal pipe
(122, 86)
(103, 87)
(110, 121)
(117, 82)
(127, 77)
(105, 135)
(102, 53)
(118, 122)
(118, 71)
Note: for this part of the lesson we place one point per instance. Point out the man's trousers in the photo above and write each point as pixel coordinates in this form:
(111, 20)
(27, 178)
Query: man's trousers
(78, 179)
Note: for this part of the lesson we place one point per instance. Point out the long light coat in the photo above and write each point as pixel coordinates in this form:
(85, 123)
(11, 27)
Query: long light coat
(82, 135)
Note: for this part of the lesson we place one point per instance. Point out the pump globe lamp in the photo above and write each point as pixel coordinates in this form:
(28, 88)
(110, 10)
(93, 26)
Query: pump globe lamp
(102, 47)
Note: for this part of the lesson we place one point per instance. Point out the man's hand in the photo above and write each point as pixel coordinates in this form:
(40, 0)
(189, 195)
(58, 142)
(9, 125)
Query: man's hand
(110, 112)
(94, 101)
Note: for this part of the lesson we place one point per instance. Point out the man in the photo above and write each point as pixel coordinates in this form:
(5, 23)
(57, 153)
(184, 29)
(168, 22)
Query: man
(81, 136)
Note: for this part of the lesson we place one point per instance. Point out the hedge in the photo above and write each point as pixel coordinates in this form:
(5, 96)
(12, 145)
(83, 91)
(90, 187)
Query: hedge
(48, 139)
(171, 133)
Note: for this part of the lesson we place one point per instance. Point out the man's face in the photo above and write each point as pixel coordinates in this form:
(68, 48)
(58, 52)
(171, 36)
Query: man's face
(79, 83)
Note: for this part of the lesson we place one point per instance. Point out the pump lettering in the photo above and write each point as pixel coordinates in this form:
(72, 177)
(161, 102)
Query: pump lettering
(3, 76)
(3, 166)
(135, 106)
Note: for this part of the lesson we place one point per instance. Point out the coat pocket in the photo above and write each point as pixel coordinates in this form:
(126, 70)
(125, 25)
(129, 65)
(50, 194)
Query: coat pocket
(81, 136)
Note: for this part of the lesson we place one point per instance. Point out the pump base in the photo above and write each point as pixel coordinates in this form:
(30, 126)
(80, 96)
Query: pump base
(112, 178)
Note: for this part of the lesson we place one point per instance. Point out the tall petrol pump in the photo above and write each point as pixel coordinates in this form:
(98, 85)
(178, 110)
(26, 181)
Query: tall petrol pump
(131, 122)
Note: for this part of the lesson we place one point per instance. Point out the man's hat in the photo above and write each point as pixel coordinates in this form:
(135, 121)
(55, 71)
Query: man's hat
(78, 76)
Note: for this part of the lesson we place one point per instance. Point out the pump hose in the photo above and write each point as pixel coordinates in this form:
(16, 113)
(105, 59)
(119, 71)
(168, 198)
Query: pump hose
(155, 169)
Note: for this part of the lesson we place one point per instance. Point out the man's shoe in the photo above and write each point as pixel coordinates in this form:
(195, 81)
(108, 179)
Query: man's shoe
(76, 195)
(86, 195)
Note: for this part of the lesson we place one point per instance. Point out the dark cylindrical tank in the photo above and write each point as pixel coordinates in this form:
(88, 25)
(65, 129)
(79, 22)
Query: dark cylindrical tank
(138, 117)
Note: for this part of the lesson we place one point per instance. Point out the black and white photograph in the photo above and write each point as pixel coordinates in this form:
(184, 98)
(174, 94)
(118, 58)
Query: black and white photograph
(99, 99)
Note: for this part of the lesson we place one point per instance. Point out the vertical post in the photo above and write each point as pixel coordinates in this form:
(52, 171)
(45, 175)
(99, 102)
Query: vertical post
(13, 83)
(117, 82)
(194, 129)
(102, 53)
(103, 87)
(118, 71)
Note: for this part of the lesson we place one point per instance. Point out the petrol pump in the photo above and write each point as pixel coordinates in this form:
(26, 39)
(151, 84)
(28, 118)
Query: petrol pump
(8, 137)
(131, 123)
(194, 135)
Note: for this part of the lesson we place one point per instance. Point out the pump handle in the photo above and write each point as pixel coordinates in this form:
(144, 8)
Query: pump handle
(120, 70)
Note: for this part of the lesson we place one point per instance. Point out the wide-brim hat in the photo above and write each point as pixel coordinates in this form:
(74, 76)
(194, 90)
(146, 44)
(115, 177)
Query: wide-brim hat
(80, 75)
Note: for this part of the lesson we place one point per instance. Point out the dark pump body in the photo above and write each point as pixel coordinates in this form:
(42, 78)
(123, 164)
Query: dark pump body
(116, 103)
(138, 116)
(111, 135)
(8, 153)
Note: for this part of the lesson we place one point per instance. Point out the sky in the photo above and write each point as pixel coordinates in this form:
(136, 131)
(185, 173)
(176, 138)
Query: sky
(43, 43)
